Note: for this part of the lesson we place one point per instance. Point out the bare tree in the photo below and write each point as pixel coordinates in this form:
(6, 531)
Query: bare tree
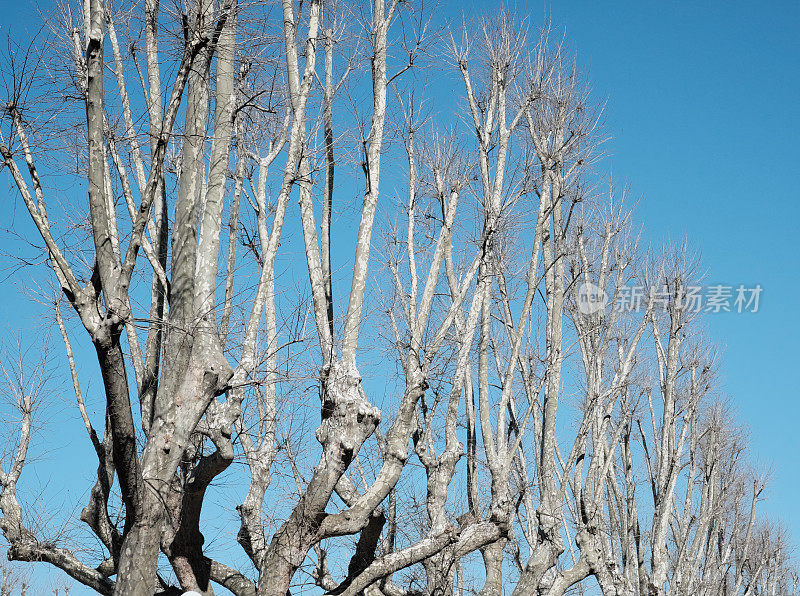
(521, 427)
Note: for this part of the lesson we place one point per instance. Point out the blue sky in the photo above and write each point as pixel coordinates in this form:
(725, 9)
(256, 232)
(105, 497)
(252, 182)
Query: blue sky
(702, 106)
(703, 109)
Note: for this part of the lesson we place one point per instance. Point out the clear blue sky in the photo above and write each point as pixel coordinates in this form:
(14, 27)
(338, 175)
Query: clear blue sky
(703, 104)
(703, 107)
